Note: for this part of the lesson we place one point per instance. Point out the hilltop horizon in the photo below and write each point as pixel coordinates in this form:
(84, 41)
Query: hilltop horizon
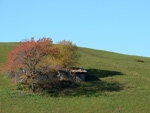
(96, 49)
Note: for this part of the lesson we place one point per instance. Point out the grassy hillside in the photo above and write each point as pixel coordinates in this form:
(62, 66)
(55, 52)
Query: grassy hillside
(124, 86)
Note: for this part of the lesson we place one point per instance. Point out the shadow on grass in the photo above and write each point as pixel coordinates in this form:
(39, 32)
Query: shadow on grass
(95, 74)
(96, 88)
(93, 85)
(87, 89)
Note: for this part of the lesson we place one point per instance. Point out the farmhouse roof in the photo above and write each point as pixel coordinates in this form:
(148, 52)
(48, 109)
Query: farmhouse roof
(78, 70)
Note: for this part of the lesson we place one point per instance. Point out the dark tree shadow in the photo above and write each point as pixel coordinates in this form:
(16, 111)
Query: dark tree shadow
(93, 86)
(96, 88)
(95, 74)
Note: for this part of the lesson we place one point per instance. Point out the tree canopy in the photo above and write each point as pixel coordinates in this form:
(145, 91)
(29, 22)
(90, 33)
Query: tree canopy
(35, 58)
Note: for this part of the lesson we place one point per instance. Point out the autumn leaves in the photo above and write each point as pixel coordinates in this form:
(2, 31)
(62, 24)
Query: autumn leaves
(35, 58)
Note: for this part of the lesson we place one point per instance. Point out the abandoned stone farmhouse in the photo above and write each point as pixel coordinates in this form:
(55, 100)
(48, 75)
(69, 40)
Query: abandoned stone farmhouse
(77, 74)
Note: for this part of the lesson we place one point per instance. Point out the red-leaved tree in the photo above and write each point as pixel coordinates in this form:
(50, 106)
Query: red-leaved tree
(27, 57)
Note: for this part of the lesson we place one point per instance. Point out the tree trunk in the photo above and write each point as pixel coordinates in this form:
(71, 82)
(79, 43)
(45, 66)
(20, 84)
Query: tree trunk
(33, 87)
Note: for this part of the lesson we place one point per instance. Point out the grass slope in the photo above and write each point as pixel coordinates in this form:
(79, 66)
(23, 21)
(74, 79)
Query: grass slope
(124, 87)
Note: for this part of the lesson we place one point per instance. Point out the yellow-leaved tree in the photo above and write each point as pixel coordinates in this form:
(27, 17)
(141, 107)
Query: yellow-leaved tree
(67, 55)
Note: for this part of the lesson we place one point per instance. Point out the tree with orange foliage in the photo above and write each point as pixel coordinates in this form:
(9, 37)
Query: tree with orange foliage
(27, 57)
(33, 59)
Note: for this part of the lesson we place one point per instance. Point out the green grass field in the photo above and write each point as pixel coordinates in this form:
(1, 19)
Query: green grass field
(124, 87)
